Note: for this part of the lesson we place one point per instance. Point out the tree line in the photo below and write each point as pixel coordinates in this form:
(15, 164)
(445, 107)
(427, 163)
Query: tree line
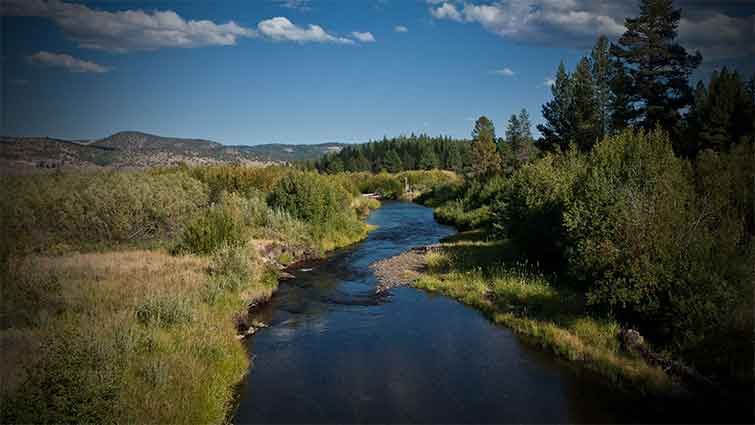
(403, 153)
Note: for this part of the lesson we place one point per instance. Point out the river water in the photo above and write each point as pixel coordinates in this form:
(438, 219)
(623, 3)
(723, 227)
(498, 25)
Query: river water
(337, 353)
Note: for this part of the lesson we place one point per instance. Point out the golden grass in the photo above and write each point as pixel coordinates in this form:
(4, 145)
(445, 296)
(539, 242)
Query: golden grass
(163, 372)
(553, 318)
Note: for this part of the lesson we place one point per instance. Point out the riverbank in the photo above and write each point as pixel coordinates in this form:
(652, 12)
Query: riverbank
(134, 335)
(123, 295)
(475, 272)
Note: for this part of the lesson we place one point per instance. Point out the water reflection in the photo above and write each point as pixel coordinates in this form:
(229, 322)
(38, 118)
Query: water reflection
(336, 352)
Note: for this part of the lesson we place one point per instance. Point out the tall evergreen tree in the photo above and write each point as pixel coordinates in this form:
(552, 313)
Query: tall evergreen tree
(600, 65)
(428, 159)
(657, 66)
(518, 147)
(392, 162)
(586, 113)
(559, 114)
(485, 159)
(622, 111)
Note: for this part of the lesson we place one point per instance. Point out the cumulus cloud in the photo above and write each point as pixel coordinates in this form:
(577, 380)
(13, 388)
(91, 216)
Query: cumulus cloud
(446, 11)
(536, 21)
(400, 28)
(576, 23)
(282, 29)
(364, 37)
(506, 72)
(129, 29)
(68, 62)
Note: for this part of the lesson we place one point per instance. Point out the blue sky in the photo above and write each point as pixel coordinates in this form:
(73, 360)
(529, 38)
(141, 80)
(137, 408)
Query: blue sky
(297, 71)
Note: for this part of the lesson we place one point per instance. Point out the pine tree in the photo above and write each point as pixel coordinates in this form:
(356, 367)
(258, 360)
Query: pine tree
(559, 114)
(723, 116)
(518, 146)
(392, 162)
(586, 114)
(600, 66)
(454, 159)
(622, 112)
(485, 159)
(657, 66)
(428, 159)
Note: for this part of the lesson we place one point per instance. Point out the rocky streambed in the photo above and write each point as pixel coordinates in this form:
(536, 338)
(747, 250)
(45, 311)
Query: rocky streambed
(401, 269)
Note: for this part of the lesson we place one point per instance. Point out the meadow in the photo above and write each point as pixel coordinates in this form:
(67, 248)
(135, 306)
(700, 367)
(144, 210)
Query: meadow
(122, 291)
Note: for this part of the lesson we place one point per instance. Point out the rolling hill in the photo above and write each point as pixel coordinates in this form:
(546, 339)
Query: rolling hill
(132, 149)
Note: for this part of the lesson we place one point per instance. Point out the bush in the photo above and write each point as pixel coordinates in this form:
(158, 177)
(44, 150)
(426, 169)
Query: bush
(646, 245)
(232, 267)
(41, 211)
(310, 197)
(220, 224)
(529, 207)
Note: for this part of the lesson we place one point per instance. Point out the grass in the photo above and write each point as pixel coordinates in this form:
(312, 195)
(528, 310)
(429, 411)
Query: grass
(128, 336)
(471, 270)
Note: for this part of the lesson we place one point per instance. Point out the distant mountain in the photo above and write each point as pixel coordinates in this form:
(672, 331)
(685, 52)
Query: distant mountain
(134, 141)
(283, 152)
(131, 149)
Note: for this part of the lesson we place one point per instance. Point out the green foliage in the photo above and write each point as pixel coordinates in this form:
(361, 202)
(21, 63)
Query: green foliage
(720, 117)
(239, 179)
(648, 245)
(39, 211)
(310, 197)
(528, 208)
(559, 114)
(414, 152)
(232, 267)
(657, 66)
(485, 159)
(76, 381)
(219, 224)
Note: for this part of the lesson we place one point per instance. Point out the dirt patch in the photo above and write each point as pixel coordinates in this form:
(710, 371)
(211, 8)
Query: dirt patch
(402, 269)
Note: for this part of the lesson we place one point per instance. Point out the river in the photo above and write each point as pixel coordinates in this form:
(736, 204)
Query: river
(336, 352)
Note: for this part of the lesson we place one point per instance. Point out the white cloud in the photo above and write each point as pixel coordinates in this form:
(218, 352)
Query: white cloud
(506, 72)
(549, 82)
(66, 61)
(538, 21)
(446, 11)
(577, 23)
(400, 28)
(282, 29)
(364, 37)
(128, 30)
(295, 4)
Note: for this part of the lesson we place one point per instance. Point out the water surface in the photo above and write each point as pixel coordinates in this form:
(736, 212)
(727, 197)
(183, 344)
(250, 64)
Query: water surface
(337, 353)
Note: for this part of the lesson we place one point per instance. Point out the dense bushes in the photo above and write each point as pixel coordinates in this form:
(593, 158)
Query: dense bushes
(222, 223)
(645, 243)
(529, 207)
(309, 197)
(647, 237)
(39, 211)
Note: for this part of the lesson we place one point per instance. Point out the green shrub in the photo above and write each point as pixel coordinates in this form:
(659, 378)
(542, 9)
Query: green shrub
(76, 380)
(453, 213)
(529, 207)
(233, 266)
(41, 211)
(223, 223)
(647, 245)
(310, 197)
